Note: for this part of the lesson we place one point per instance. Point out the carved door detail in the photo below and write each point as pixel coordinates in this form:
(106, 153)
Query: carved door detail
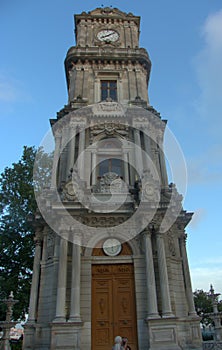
(113, 305)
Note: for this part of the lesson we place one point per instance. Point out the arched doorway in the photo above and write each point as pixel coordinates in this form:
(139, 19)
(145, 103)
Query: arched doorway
(113, 302)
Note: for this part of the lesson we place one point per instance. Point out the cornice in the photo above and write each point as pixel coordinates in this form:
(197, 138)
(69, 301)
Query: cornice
(107, 13)
(95, 54)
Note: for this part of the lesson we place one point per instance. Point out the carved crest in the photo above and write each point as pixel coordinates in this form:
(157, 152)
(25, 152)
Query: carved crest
(111, 108)
(110, 183)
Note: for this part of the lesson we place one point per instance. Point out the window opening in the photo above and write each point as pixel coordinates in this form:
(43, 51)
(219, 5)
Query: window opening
(113, 165)
(109, 90)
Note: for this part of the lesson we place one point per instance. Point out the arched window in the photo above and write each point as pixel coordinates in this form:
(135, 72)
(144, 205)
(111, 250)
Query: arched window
(107, 165)
(109, 157)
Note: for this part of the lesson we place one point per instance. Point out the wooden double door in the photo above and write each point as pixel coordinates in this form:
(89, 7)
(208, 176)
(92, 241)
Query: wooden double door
(113, 305)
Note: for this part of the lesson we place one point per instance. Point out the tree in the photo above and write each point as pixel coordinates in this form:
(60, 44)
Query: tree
(203, 305)
(17, 204)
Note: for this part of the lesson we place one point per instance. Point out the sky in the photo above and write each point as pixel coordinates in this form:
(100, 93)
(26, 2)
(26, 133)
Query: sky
(184, 42)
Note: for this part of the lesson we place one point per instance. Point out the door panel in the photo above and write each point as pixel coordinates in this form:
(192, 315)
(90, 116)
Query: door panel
(113, 305)
(102, 308)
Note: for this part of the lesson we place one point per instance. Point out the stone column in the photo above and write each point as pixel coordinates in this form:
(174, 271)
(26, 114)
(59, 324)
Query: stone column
(81, 149)
(63, 155)
(126, 167)
(35, 277)
(93, 170)
(147, 146)
(138, 150)
(164, 282)
(162, 166)
(78, 86)
(86, 79)
(71, 149)
(75, 286)
(150, 277)
(131, 156)
(55, 160)
(61, 287)
(188, 286)
(44, 247)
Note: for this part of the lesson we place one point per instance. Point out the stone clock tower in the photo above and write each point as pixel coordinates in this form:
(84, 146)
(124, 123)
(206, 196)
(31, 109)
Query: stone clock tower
(110, 255)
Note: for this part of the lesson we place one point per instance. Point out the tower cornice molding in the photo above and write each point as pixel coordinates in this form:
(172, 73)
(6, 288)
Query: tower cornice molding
(109, 14)
(77, 54)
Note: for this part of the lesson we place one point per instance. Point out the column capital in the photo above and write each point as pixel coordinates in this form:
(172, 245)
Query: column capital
(147, 232)
(38, 236)
(159, 234)
(184, 239)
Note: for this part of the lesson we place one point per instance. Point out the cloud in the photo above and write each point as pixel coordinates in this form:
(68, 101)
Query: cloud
(203, 277)
(205, 167)
(207, 271)
(9, 89)
(12, 92)
(209, 70)
(198, 217)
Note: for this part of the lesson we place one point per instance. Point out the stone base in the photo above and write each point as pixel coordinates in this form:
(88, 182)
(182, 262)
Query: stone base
(28, 339)
(54, 336)
(174, 334)
(65, 335)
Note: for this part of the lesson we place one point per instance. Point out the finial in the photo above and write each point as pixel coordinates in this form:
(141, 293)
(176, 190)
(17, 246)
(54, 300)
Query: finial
(211, 289)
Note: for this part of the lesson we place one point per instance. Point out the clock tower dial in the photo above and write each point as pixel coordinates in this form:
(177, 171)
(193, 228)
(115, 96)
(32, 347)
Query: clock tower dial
(108, 35)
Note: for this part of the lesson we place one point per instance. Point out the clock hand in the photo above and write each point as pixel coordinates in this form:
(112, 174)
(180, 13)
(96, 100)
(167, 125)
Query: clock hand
(105, 36)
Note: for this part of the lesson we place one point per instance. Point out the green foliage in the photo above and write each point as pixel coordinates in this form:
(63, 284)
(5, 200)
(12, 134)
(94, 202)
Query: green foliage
(203, 306)
(17, 205)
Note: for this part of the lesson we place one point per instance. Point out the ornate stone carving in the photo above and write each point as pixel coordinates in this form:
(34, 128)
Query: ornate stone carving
(171, 245)
(110, 183)
(50, 244)
(103, 221)
(70, 190)
(112, 109)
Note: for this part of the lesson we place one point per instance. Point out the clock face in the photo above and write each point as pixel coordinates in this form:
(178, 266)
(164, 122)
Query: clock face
(108, 35)
(112, 247)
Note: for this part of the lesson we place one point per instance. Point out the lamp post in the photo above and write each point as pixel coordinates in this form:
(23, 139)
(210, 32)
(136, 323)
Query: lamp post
(7, 324)
(215, 315)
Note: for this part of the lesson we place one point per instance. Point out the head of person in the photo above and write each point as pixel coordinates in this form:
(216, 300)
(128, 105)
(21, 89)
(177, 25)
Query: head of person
(118, 339)
(124, 341)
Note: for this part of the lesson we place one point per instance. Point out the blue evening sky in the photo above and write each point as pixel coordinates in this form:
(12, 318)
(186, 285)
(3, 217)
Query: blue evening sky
(184, 41)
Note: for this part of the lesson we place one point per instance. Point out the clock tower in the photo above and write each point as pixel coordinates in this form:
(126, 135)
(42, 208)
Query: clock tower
(110, 255)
